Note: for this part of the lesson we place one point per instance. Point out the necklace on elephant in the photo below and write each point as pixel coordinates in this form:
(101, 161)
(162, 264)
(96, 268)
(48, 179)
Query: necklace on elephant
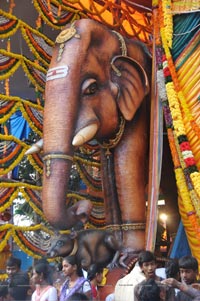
(114, 141)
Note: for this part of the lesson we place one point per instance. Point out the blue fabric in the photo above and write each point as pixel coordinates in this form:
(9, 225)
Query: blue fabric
(27, 261)
(180, 247)
(185, 27)
(19, 126)
(20, 129)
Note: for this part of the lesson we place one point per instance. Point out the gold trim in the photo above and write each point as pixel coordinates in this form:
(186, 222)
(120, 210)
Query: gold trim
(113, 227)
(75, 248)
(58, 156)
(113, 142)
(124, 51)
(126, 227)
(133, 226)
(66, 34)
(47, 160)
(122, 42)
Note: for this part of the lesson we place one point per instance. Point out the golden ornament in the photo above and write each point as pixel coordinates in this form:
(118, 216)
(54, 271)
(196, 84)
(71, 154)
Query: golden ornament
(66, 35)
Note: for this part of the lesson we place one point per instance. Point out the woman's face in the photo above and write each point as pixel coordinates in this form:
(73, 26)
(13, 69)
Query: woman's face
(68, 269)
(36, 278)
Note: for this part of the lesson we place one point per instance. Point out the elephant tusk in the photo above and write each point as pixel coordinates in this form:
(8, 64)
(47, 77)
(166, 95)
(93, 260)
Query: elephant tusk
(85, 134)
(35, 148)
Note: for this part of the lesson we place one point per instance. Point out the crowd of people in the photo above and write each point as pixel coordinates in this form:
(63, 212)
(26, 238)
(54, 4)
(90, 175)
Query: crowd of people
(177, 281)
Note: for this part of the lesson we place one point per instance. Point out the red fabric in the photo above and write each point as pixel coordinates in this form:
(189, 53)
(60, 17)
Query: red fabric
(94, 291)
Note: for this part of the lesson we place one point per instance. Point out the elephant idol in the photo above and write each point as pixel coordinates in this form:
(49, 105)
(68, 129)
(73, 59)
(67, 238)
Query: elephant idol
(97, 87)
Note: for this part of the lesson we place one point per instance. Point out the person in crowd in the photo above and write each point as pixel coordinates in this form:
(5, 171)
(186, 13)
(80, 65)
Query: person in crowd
(95, 275)
(124, 288)
(13, 269)
(57, 276)
(172, 269)
(189, 292)
(75, 282)
(18, 288)
(43, 280)
(4, 292)
(188, 266)
(147, 263)
(78, 297)
(150, 291)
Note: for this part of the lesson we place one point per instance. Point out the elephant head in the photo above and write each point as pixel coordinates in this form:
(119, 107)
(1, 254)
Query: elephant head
(95, 81)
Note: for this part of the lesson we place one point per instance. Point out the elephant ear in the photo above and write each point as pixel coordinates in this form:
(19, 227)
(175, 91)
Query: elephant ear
(133, 84)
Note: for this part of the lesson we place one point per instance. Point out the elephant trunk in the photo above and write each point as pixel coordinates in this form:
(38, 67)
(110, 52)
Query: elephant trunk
(59, 120)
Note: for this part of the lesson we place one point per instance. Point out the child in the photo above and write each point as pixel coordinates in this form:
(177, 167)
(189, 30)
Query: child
(147, 263)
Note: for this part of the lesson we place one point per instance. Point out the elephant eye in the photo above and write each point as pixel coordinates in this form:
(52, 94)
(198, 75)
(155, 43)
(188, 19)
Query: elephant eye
(90, 87)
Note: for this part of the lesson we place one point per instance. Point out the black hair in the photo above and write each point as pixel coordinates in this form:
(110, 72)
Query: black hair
(72, 259)
(149, 291)
(44, 269)
(78, 297)
(188, 262)
(18, 292)
(13, 261)
(172, 268)
(145, 256)
(93, 270)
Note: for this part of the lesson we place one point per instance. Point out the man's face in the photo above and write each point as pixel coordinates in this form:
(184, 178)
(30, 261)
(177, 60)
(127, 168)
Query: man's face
(148, 269)
(188, 276)
(11, 270)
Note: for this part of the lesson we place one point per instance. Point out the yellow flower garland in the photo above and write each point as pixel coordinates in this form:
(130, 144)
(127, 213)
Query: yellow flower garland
(23, 60)
(33, 206)
(11, 17)
(189, 199)
(176, 112)
(3, 243)
(20, 100)
(9, 203)
(34, 164)
(168, 21)
(19, 184)
(31, 124)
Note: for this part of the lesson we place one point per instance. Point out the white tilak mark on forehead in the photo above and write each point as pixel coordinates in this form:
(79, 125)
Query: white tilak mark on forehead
(57, 72)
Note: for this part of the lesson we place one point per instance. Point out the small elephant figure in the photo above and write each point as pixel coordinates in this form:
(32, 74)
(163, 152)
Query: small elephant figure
(98, 87)
(90, 246)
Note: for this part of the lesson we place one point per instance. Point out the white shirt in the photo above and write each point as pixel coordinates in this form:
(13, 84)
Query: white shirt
(49, 295)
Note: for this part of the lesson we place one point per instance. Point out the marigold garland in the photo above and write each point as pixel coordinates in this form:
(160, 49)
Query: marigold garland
(9, 200)
(33, 206)
(26, 107)
(24, 28)
(39, 53)
(29, 68)
(27, 193)
(9, 25)
(184, 161)
(33, 122)
(48, 17)
(178, 121)
(168, 21)
(36, 163)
